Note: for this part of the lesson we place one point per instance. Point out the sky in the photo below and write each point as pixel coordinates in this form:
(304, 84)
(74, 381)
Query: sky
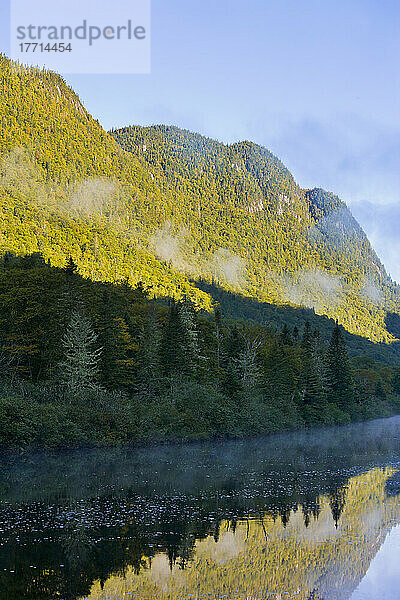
(382, 579)
(316, 82)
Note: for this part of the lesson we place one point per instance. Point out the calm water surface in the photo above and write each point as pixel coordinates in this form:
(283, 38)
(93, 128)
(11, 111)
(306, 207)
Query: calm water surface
(307, 516)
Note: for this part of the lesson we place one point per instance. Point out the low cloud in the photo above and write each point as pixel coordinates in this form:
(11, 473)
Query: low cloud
(168, 246)
(172, 246)
(17, 172)
(95, 196)
(229, 267)
(371, 292)
(311, 288)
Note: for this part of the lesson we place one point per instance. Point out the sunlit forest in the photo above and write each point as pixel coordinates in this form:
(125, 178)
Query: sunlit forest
(98, 363)
(159, 285)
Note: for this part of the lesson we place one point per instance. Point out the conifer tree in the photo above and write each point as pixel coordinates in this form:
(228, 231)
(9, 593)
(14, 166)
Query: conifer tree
(71, 293)
(233, 346)
(148, 361)
(231, 379)
(188, 321)
(313, 373)
(79, 368)
(231, 382)
(278, 375)
(115, 340)
(286, 336)
(306, 341)
(312, 392)
(339, 379)
(174, 361)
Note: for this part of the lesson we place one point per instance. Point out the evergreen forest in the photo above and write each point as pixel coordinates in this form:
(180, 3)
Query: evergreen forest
(157, 285)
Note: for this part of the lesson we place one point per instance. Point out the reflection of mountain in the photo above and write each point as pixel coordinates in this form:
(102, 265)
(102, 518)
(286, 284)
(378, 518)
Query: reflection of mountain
(68, 520)
(262, 559)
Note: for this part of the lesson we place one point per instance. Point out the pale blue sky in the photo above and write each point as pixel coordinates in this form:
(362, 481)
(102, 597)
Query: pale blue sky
(317, 82)
(382, 579)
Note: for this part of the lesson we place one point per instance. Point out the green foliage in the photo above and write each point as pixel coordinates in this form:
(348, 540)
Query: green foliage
(169, 372)
(228, 213)
(100, 230)
(248, 202)
(79, 368)
(339, 379)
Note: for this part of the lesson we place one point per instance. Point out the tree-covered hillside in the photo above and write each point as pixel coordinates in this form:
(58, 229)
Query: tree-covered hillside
(301, 247)
(85, 362)
(166, 207)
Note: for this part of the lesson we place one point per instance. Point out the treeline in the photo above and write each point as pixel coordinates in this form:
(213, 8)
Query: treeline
(96, 363)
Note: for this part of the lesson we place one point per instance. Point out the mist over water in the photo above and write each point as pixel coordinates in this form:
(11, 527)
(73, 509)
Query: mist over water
(292, 514)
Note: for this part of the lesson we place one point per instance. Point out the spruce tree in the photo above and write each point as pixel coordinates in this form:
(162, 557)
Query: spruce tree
(79, 368)
(396, 382)
(286, 336)
(171, 342)
(116, 343)
(148, 360)
(188, 321)
(71, 292)
(339, 379)
(233, 346)
(231, 379)
(313, 375)
(279, 381)
(306, 341)
(231, 382)
(312, 391)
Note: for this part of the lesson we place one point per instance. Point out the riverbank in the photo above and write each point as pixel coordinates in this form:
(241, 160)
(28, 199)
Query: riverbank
(39, 418)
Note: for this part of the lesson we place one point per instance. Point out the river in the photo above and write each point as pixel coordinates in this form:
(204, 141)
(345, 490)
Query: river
(309, 516)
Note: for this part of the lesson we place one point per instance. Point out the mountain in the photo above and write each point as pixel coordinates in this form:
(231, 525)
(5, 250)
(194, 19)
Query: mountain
(174, 209)
(301, 247)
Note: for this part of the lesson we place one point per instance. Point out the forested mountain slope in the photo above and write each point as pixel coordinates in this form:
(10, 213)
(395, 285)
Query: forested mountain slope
(168, 207)
(301, 247)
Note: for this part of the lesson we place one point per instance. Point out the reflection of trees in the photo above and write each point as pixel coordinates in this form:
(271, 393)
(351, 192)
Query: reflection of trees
(80, 553)
(264, 560)
(337, 502)
(310, 508)
(171, 497)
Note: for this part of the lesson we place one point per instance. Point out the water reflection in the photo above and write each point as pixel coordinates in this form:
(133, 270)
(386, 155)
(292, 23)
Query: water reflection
(291, 517)
(382, 579)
